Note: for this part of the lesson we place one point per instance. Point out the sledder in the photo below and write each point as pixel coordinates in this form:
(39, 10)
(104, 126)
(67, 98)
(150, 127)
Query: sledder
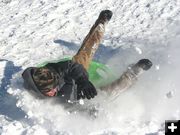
(69, 79)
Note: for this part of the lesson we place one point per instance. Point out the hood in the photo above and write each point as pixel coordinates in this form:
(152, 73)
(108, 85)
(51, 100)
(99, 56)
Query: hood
(29, 82)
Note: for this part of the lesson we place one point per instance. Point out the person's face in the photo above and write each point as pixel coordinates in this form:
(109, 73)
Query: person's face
(50, 92)
(46, 81)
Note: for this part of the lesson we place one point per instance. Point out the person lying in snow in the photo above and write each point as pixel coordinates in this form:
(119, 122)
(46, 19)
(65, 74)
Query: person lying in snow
(69, 79)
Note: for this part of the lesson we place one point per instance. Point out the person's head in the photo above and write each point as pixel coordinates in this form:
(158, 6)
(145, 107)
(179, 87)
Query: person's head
(145, 64)
(45, 79)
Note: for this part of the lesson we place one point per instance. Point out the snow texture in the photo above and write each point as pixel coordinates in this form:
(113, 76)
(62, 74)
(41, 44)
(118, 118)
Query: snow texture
(35, 31)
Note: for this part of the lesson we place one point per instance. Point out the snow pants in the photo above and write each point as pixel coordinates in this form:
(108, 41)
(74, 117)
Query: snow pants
(90, 44)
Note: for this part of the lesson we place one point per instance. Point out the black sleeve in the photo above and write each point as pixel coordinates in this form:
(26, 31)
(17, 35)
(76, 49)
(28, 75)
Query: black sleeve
(65, 91)
(77, 71)
(70, 69)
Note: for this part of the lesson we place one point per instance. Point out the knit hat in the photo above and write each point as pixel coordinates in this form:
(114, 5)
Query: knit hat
(45, 78)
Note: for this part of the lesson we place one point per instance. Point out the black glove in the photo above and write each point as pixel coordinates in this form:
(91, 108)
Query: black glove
(85, 89)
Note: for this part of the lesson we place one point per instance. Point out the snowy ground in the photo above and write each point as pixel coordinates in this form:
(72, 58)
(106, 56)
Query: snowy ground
(33, 31)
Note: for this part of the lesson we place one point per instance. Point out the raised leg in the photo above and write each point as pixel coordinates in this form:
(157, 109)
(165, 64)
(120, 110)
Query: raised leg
(128, 78)
(92, 40)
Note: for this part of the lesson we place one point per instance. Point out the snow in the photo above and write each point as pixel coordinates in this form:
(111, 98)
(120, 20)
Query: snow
(36, 31)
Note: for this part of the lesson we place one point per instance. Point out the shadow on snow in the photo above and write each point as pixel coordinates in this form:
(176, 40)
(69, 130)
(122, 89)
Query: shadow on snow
(8, 102)
(102, 54)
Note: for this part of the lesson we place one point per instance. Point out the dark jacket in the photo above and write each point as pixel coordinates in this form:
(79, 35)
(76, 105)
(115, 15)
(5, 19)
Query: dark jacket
(70, 72)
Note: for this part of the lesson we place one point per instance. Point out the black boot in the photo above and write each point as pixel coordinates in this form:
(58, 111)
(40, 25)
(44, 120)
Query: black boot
(145, 64)
(104, 16)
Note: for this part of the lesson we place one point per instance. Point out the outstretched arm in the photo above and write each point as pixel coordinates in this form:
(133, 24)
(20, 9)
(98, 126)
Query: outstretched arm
(72, 70)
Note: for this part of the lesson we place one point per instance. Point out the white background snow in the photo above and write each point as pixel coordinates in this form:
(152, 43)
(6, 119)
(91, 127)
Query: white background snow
(34, 31)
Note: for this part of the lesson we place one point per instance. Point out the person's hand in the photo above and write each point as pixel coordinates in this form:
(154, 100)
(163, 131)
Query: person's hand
(85, 89)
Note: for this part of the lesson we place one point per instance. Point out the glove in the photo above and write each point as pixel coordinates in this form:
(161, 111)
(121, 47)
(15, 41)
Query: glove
(85, 89)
